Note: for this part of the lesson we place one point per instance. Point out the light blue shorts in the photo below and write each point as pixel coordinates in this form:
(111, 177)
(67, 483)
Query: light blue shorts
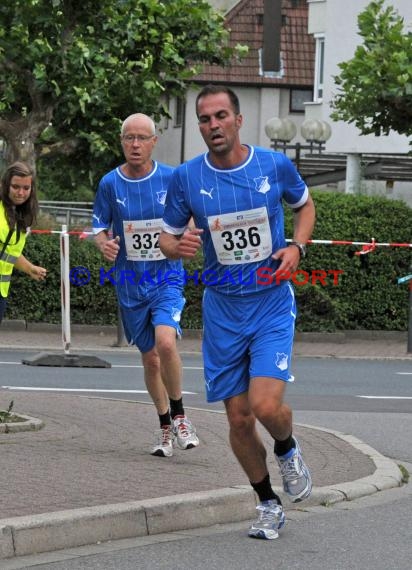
(246, 337)
(162, 307)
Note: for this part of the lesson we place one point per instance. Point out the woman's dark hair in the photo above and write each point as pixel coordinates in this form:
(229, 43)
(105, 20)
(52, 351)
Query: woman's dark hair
(23, 215)
(212, 89)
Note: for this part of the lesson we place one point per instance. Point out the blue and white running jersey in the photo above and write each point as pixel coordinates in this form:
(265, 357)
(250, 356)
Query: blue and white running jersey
(133, 208)
(241, 213)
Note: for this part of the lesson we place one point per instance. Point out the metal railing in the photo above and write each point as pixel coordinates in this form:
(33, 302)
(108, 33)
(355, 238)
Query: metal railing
(68, 213)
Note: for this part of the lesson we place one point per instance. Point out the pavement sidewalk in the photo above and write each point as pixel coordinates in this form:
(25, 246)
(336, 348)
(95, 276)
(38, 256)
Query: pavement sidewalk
(345, 344)
(86, 476)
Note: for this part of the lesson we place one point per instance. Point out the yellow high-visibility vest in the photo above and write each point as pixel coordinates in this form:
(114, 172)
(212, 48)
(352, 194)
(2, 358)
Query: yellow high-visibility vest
(11, 253)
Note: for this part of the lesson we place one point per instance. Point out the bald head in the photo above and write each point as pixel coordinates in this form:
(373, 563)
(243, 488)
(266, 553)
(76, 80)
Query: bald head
(139, 120)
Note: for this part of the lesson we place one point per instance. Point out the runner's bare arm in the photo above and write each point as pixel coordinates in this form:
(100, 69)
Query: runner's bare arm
(108, 247)
(184, 246)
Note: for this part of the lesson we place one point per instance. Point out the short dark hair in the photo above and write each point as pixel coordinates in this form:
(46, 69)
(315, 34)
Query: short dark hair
(25, 214)
(211, 89)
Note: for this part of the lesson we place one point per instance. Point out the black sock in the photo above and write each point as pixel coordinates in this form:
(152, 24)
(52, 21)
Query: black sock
(176, 408)
(282, 447)
(165, 419)
(264, 490)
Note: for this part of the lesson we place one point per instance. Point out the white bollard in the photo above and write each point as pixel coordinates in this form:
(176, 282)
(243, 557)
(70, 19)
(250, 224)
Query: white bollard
(65, 288)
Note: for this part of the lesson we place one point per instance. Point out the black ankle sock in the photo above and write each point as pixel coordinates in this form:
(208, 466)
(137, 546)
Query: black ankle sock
(165, 419)
(264, 490)
(176, 408)
(282, 447)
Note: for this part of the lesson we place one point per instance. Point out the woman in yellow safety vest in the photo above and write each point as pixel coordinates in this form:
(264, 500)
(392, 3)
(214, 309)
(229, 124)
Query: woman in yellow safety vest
(18, 209)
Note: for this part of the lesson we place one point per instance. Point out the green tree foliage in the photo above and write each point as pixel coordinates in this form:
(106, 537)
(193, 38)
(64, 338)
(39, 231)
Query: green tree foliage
(375, 86)
(70, 70)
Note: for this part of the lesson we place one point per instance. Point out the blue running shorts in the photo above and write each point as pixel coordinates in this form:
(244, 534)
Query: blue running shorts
(245, 337)
(163, 306)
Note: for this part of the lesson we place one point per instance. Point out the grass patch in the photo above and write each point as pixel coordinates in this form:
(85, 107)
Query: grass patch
(6, 416)
(405, 473)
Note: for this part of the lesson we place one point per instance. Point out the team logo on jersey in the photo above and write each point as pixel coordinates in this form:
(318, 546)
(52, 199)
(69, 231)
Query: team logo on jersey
(206, 193)
(161, 197)
(176, 313)
(122, 202)
(281, 360)
(262, 184)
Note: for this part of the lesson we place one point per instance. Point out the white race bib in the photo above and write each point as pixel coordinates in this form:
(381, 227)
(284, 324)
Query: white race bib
(241, 237)
(142, 239)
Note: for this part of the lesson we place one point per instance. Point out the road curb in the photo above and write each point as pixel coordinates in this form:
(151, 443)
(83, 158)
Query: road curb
(29, 424)
(337, 337)
(48, 532)
(74, 349)
(386, 476)
(21, 536)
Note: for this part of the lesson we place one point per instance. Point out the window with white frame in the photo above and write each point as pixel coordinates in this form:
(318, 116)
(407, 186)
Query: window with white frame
(319, 67)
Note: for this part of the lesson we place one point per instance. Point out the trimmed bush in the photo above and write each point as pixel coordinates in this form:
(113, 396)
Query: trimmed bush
(40, 301)
(366, 297)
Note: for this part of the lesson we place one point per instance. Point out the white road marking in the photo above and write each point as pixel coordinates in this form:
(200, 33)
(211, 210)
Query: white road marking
(121, 365)
(140, 366)
(41, 389)
(386, 397)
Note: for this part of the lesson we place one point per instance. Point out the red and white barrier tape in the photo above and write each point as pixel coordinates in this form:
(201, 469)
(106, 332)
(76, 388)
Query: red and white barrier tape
(372, 244)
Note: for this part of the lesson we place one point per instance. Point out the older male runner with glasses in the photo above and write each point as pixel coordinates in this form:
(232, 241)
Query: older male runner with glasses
(149, 287)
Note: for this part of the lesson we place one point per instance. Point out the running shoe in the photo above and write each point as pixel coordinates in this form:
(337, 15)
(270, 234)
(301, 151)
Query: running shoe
(271, 518)
(184, 433)
(164, 442)
(296, 479)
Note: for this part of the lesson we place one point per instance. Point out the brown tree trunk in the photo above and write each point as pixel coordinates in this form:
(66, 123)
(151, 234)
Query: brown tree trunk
(21, 135)
(20, 148)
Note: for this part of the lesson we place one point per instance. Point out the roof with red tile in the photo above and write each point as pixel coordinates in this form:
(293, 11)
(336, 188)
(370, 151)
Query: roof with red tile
(245, 22)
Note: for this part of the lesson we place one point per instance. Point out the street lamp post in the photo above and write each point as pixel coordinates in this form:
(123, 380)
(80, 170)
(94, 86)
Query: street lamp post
(282, 131)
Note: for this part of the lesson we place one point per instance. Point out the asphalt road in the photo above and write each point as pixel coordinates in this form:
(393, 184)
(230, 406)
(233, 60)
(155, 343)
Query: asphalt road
(370, 399)
(320, 384)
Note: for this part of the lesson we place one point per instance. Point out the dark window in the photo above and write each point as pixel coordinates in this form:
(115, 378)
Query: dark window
(179, 110)
(298, 98)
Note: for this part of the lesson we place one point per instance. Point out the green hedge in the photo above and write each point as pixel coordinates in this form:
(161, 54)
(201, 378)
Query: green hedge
(367, 295)
(41, 301)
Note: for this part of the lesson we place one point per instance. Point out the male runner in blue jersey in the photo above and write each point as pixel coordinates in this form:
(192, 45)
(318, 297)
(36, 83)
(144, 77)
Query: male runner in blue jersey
(131, 199)
(234, 193)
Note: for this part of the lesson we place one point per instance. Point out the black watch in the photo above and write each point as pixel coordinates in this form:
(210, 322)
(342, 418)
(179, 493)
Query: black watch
(301, 247)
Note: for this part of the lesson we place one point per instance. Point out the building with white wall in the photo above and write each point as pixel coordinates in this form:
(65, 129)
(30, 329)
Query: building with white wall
(262, 96)
(316, 35)
(334, 26)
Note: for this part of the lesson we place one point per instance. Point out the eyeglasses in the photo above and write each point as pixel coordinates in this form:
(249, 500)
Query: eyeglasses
(129, 139)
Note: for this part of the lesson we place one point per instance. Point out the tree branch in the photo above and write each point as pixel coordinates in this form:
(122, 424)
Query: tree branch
(65, 147)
